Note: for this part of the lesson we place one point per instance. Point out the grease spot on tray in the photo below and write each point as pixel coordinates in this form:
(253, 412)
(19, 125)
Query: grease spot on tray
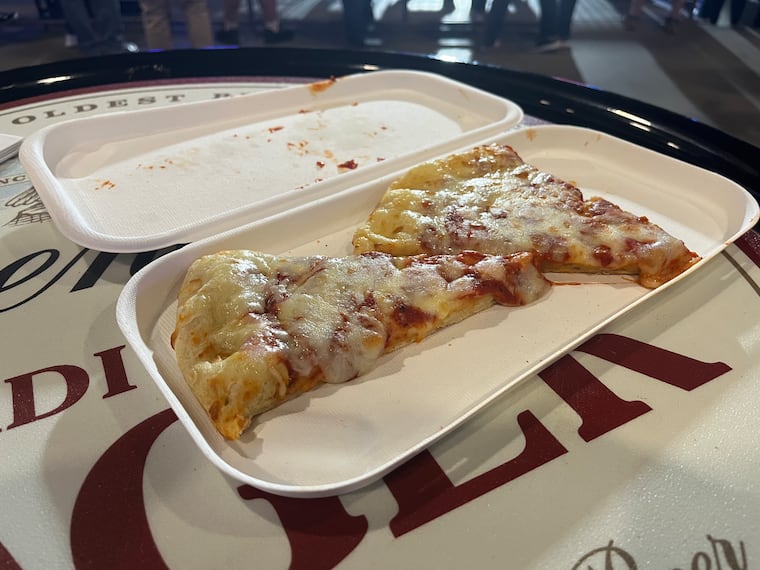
(320, 86)
(105, 185)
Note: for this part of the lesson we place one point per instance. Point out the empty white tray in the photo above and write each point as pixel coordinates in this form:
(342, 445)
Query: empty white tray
(142, 180)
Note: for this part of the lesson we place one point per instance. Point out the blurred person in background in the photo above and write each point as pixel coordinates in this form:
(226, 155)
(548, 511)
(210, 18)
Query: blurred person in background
(554, 24)
(273, 33)
(157, 23)
(97, 25)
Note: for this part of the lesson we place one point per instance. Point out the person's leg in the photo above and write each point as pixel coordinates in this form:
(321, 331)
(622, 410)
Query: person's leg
(106, 20)
(478, 10)
(711, 10)
(271, 17)
(78, 19)
(198, 23)
(494, 21)
(565, 20)
(231, 14)
(676, 6)
(269, 11)
(737, 11)
(671, 22)
(635, 9)
(547, 25)
(230, 23)
(70, 39)
(156, 20)
(357, 17)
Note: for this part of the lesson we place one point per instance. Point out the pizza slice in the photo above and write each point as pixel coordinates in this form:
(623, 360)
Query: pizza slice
(488, 200)
(254, 330)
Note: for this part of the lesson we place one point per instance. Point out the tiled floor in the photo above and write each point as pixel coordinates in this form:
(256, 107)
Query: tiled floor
(708, 72)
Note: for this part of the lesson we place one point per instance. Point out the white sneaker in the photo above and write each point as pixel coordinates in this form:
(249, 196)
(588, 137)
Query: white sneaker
(551, 46)
(70, 41)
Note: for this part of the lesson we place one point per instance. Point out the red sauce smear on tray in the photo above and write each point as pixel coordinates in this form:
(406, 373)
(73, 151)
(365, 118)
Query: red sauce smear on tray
(349, 165)
(106, 184)
(319, 86)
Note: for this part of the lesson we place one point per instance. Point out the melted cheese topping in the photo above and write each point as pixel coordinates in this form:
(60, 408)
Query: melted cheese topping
(489, 200)
(254, 329)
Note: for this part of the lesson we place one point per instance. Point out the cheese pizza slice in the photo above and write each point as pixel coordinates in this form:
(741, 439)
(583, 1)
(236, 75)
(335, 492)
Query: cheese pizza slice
(254, 330)
(488, 200)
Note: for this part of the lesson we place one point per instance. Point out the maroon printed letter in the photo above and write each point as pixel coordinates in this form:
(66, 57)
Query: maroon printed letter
(669, 367)
(320, 531)
(600, 409)
(424, 492)
(22, 389)
(116, 374)
(109, 527)
(7, 562)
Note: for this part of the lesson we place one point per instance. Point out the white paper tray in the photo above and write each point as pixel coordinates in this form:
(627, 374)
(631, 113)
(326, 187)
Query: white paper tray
(142, 180)
(339, 438)
(9, 145)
